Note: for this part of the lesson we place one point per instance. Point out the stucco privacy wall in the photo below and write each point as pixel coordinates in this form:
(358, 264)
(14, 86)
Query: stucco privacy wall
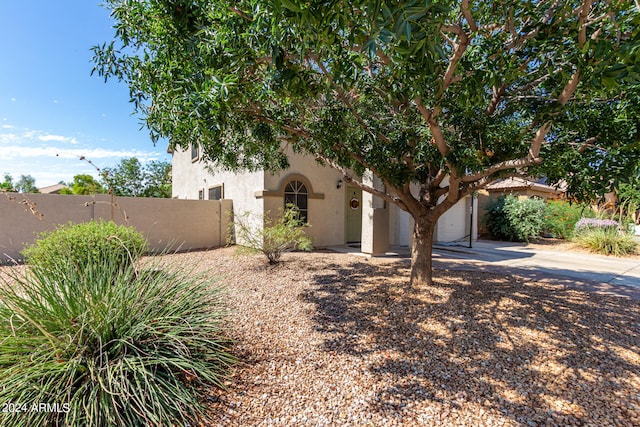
(166, 223)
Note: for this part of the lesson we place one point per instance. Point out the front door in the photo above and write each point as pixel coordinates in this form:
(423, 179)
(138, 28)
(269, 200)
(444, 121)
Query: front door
(353, 214)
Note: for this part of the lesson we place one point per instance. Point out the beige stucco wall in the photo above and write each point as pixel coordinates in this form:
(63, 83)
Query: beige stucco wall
(166, 223)
(261, 193)
(326, 215)
(190, 177)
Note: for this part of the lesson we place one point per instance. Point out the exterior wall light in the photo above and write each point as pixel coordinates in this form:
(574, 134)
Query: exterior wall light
(339, 185)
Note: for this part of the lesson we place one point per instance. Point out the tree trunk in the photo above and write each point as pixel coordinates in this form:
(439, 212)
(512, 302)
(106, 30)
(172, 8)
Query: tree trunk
(422, 251)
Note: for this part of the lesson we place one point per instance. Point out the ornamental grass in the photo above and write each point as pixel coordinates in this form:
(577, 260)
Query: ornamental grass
(141, 348)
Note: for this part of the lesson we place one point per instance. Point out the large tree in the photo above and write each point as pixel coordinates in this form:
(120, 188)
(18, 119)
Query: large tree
(437, 99)
(132, 178)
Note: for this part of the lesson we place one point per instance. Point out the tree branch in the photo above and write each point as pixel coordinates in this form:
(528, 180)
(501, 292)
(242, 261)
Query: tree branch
(241, 14)
(438, 137)
(582, 22)
(437, 180)
(508, 164)
(515, 42)
(536, 143)
(453, 61)
(466, 12)
(498, 94)
(569, 89)
(348, 178)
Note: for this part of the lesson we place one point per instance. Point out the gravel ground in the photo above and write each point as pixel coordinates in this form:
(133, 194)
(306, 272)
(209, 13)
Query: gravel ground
(330, 339)
(337, 340)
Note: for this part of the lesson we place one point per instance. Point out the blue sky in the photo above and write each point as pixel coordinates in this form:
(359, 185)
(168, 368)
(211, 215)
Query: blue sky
(52, 111)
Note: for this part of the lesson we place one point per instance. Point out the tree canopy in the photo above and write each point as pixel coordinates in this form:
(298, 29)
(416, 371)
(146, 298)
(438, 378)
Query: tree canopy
(84, 184)
(131, 178)
(7, 183)
(24, 184)
(437, 99)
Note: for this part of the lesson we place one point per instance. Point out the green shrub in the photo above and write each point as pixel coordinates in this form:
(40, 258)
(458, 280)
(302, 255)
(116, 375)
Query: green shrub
(607, 241)
(138, 349)
(277, 236)
(560, 218)
(96, 242)
(517, 220)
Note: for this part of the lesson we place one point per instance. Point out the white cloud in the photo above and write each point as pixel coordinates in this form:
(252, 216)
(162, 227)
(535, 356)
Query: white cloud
(58, 138)
(51, 157)
(8, 138)
(12, 152)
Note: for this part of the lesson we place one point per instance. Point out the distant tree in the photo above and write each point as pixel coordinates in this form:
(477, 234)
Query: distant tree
(84, 184)
(7, 184)
(157, 176)
(125, 179)
(26, 184)
(130, 178)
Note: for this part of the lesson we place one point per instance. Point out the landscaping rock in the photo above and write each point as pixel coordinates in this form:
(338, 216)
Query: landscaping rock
(337, 340)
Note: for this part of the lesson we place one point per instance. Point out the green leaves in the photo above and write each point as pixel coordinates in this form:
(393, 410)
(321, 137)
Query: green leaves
(278, 235)
(516, 220)
(115, 345)
(130, 178)
(341, 80)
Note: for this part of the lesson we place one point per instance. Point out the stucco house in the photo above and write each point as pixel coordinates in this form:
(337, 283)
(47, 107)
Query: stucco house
(338, 213)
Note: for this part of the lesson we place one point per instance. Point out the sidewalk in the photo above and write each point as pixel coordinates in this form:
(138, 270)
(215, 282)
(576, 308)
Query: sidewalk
(597, 272)
(577, 265)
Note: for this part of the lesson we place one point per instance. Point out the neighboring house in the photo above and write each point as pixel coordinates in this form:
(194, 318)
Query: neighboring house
(520, 187)
(52, 189)
(337, 212)
(524, 188)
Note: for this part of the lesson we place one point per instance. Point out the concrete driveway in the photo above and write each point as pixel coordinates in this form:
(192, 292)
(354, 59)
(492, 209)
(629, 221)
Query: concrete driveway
(618, 275)
(597, 273)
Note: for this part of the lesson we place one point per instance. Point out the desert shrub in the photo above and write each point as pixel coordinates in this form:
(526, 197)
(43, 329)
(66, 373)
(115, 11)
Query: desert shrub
(585, 225)
(560, 218)
(517, 220)
(607, 241)
(100, 242)
(138, 349)
(279, 235)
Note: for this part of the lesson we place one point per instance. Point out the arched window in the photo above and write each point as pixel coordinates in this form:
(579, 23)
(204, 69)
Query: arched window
(296, 193)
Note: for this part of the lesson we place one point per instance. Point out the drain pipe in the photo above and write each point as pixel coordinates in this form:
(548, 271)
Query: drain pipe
(471, 222)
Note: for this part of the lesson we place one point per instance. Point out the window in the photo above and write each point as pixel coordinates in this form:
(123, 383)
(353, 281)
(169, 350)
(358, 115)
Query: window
(195, 152)
(215, 193)
(295, 193)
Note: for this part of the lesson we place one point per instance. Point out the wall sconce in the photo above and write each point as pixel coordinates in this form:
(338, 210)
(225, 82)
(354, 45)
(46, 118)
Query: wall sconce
(339, 185)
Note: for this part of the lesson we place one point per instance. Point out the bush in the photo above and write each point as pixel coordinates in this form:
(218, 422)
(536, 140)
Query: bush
(99, 242)
(275, 237)
(586, 225)
(516, 220)
(561, 217)
(136, 349)
(607, 241)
